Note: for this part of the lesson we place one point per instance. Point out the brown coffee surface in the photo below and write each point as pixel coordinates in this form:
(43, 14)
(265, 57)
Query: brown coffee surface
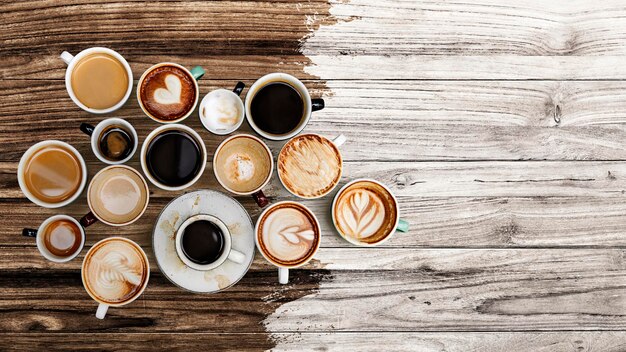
(366, 212)
(309, 165)
(118, 195)
(243, 164)
(62, 237)
(288, 234)
(99, 81)
(53, 174)
(168, 93)
(114, 271)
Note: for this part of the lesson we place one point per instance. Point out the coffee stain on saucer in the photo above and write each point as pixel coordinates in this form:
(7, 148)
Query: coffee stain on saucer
(168, 226)
(234, 229)
(222, 281)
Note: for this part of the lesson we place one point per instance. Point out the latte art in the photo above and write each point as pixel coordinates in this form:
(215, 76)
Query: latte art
(167, 92)
(361, 214)
(171, 93)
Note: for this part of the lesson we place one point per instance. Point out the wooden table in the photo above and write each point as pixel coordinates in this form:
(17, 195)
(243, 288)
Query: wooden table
(500, 125)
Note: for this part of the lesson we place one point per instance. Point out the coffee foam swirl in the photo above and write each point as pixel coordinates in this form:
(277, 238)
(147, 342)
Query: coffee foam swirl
(167, 92)
(288, 236)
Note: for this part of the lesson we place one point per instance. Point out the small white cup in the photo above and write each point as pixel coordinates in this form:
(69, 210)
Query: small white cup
(95, 132)
(225, 94)
(39, 238)
(71, 61)
(228, 252)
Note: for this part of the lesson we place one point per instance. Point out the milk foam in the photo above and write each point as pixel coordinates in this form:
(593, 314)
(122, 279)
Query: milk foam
(171, 94)
(288, 234)
(360, 213)
(221, 110)
(239, 167)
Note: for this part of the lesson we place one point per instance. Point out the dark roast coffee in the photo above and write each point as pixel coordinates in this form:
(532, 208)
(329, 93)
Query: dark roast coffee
(277, 108)
(174, 158)
(115, 143)
(202, 242)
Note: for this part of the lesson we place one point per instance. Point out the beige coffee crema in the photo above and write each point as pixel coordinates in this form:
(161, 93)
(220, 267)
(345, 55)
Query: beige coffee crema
(243, 164)
(309, 166)
(118, 195)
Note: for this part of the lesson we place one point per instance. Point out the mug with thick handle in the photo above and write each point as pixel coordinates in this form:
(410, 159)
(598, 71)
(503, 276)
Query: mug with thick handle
(110, 138)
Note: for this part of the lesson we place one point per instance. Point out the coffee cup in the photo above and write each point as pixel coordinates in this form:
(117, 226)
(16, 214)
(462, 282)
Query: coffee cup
(366, 213)
(310, 166)
(59, 238)
(243, 165)
(115, 272)
(203, 242)
(173, 157)
(168, 92)
(98, 80)
(117, 195)
(113, 141)
(288, 235)
(52, 174)
(222, 111)
(278, 106)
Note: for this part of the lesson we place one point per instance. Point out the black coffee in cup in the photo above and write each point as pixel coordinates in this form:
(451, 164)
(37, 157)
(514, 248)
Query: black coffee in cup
(174, 158)
(115, 143)
(202, 242)
(277, 108)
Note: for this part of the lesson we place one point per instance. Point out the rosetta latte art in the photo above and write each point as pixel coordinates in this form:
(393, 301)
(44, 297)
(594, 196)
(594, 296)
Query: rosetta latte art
(288, 235)
(360, 214)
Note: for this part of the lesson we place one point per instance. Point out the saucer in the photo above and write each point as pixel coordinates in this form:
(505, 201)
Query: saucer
(224, 207)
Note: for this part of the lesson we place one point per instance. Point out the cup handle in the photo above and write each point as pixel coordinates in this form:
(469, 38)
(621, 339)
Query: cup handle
(197, 72)
(236, 256)
(283, 276)
(88, 220)
(66, 57)
(29, 232)
(87, 128)
(403, 226)
(339, 140)
(317, 104)
(260, 198)
(102, 310)
(239, 88)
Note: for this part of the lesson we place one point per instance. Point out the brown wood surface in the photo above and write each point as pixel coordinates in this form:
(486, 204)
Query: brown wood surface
(500, 127)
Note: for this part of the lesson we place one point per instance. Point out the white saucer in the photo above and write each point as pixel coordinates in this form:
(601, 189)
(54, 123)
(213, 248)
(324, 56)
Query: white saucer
(213, 203)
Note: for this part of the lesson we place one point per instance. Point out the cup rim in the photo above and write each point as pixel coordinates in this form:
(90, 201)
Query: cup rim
(22, 182)
(42, 248)
(145, 206)
(302, 89)
(70, 69)
(145, 258)
(101, 126)
(356, 242)
(153, 67)
(157, 131)
(256, 234)
(267, 149)
(227, 242)
(281, 178)
(232, 129)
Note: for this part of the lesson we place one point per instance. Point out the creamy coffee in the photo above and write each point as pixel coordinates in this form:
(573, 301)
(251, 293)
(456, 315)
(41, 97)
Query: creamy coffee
(221, 111)
(365, 211)
(118, 195)
(242, 164)
(168, 92)
(99, 81)
(288, 234)
(309, 166)
(62, 237)
(115, 271)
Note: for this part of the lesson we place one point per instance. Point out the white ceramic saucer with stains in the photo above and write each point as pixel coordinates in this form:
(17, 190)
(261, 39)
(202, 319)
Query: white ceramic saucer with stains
(220, 205)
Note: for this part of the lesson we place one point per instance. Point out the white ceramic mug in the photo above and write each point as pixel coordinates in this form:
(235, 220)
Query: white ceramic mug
(95, 132)
(234, 95)
(71, 61)
(227, 253)
(39, 239)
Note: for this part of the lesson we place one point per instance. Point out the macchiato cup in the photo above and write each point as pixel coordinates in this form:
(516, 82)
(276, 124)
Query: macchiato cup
(52, 174)
(115, 272)
(279, 106)
(310, 166)
(366, 213)
(221, 111)
(243, 165)
(59, 238)
(113, 141)
(98, 80)
(288, 235)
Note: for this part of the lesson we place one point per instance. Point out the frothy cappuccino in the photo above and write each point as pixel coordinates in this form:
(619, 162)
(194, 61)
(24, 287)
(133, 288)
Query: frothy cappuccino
(167, 92)
(242, 164)
(118, 195)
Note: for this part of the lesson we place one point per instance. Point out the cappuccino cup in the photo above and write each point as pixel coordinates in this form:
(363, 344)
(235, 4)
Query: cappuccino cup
(59, 238)
(243, 165)
(113, 141)
(98, 80)
(288, 235)
(115, 272)
(222, 111)
(366, 213)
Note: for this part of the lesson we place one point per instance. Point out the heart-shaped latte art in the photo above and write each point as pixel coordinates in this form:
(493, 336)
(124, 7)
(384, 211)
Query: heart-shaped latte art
(171, 93)
(360, 214)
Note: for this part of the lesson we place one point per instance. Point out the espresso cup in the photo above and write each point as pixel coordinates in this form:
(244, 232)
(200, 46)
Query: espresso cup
(243, 165)
(168, 92)
(117, 195)
(59, 238)
(288, 235)
(52, 174)
(115, 272)
(173, 157)
(203, 242)
(279, 106)
(222, 111)
(310, 166)
(113, 141)
(366, 213)
(98, 80)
